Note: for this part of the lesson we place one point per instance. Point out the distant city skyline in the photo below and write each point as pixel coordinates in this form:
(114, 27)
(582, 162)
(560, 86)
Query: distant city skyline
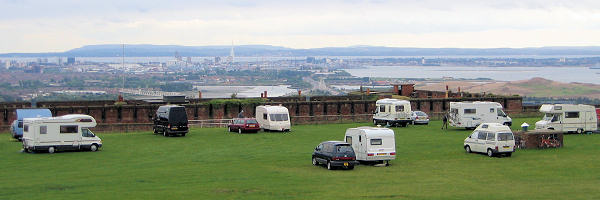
(60, 25)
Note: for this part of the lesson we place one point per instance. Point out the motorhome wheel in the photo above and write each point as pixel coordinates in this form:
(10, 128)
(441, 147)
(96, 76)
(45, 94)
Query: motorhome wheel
(51, 149)
(468, 149)
(94, 147)
(490, 153)
(579, 131)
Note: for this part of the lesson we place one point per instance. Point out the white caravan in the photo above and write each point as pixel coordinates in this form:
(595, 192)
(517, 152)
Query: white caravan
(372, 144)
(392, 112)
(68, 132)
(568, 118)
(491, 138)
(273, 118)
(472, 114)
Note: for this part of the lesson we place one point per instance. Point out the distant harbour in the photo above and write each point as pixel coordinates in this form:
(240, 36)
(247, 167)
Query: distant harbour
(561, 74)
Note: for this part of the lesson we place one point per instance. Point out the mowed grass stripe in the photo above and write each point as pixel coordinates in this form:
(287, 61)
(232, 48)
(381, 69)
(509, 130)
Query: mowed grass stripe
(211, 163)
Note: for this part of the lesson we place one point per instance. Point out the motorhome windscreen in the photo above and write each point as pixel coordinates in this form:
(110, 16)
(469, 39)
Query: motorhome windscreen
(343, 148)
(505, 136)
(177, 115)
(279, 117)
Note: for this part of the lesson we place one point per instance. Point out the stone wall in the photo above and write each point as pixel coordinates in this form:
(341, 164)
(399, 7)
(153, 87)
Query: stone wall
(133, 116)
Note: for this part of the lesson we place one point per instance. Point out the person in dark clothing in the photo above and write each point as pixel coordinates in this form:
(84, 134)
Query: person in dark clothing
(241, 114)
(445, 121)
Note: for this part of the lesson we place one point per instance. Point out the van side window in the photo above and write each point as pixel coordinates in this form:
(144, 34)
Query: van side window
(470, 111)
(43, 129)
(491, 137)
(571, 114)
(481, 136)
(26, 128)
(68, 129)
(492, 110)
(349, 139)
(382, 108)
(399, 108)
(376, 141)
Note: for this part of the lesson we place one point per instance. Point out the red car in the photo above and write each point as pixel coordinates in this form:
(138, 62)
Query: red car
(243, 125)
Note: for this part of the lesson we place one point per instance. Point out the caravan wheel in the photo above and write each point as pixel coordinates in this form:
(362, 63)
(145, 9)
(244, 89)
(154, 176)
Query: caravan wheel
(51, 149)
(94, 147)
(579, 131)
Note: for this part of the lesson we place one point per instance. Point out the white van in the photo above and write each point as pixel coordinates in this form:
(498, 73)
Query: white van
(392, 112)
(273, 118)
(472, 114)
(568, 118)
(372, 144)
(68, 132)
(491, 138)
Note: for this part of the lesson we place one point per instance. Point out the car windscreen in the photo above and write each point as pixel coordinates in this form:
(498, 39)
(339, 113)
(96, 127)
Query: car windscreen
(421, 114)
(177, 115)
(279, 117)
(251, 121)
(505, 136)
(344, 149)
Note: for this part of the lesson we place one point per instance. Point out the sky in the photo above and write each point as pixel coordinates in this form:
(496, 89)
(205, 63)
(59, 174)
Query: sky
(54, 26)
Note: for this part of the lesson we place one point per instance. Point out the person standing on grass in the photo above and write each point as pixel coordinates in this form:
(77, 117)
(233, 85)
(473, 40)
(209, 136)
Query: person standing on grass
(445, 121)
(241, 114)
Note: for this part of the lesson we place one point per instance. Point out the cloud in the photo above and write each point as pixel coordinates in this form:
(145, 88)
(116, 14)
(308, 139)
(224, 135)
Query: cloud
(33, 26)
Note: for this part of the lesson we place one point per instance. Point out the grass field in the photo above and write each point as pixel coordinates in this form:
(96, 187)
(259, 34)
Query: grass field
(213, 164)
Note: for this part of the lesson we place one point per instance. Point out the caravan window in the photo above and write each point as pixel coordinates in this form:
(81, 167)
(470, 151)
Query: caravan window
(26, 128)
(376, 142)
(349, 139)
(571, 114)
(68, 129)
(470, 111)
(382, 108)
(399, 108)
(279, 117)
(43, 129)
(265, 116)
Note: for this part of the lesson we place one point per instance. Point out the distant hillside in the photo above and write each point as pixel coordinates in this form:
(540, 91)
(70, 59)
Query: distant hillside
(147, 50)
(535, 87)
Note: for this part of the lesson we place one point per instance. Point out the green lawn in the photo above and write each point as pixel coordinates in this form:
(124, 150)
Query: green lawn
(213, 164)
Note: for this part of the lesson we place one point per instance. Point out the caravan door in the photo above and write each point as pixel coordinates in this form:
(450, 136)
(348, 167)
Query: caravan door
(589, 121)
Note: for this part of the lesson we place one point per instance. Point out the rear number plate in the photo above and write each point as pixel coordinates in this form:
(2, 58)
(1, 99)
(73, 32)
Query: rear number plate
(506, 147)
(252, 126)
(346, 164)
(381, 154)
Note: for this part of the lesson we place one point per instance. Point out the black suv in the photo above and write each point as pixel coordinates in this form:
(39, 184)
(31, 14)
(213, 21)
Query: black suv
(334, 154)
(171, 120)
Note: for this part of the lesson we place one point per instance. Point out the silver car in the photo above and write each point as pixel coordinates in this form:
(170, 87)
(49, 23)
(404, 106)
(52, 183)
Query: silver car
(420, 117)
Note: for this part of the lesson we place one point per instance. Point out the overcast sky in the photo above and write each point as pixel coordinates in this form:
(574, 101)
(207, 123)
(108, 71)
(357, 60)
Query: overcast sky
(59, 25)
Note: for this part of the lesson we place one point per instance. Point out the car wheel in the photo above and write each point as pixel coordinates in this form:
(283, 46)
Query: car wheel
(228, 129)
(51, 149)
(468, 149)
(314, 161)
(375, 122)
(329, 167)
(94, 147)
(165, 133)
(239, 130)
(154, 130)
(490, 153)
(579, 131)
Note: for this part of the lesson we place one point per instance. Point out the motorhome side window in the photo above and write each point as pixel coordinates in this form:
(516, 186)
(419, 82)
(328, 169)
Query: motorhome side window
(481, 135)
(492, 110)
(26, 128)
(43, 129)
(491, 136)
(382, 108)
(375, 141)
(68, 129)
(349, 139)
(265, 116)
(470, 111)
(399, 108)
(571, 114)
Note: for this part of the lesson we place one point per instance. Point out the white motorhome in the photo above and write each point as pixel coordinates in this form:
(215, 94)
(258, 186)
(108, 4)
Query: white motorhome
(491, 138)
(568, 118)
(372, 144)
(273, 118)
(472, 114)
(392, 112)
(68, 132)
